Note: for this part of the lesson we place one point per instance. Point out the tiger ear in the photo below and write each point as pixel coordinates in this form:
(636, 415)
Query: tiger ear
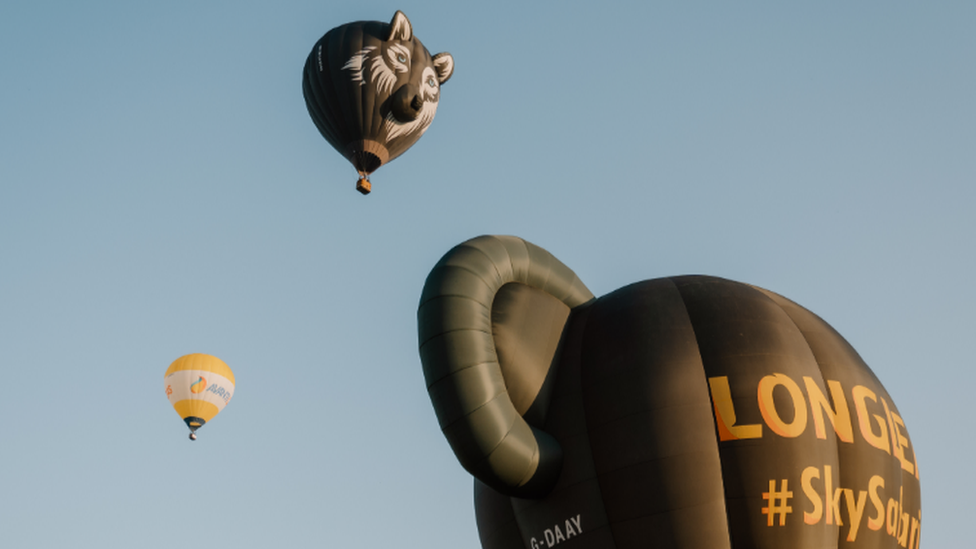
(400, 27)
(444, 65)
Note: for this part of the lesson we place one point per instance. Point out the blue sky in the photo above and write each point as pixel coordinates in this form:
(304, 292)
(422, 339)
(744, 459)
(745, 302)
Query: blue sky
(163, 191)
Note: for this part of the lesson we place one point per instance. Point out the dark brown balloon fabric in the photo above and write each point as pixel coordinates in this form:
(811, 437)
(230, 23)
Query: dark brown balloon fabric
(687, 412)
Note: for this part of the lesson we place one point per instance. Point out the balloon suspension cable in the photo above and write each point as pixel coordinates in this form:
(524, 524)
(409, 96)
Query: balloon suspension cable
(363, 185)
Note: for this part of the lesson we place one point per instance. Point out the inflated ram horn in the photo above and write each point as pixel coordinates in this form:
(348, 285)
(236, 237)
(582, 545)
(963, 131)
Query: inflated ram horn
(466, 364)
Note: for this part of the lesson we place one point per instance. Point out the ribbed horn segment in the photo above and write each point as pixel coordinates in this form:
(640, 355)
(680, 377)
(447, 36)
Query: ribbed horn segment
(464, 379)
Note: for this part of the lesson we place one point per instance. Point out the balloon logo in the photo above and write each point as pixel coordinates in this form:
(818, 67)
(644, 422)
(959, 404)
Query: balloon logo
(199, 386)
(686, 412)
(372, 90)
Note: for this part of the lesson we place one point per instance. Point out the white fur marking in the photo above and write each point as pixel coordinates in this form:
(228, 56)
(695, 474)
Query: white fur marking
(396, 129)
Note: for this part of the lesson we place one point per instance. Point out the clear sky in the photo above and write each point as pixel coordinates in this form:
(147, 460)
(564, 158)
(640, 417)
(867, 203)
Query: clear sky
(163, 192)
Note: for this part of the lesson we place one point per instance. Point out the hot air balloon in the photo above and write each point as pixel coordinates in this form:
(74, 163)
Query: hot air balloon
(198, 386)
(372, 90)
(688, 412)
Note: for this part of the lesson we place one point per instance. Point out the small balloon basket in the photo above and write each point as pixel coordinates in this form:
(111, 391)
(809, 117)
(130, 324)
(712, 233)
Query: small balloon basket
(363, 185)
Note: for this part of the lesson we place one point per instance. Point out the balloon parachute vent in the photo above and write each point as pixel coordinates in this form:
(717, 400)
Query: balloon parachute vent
(363, 185)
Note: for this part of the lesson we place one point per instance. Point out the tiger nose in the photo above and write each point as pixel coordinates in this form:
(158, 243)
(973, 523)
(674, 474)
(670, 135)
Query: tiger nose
(406, 103)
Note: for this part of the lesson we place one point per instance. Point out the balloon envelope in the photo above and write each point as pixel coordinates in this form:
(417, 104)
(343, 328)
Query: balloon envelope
(372, 89)
(198, 387)
(686, 412)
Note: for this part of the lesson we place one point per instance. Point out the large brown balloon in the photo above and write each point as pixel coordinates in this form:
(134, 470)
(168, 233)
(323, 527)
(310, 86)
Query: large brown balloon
(372, 90)
(687, 412)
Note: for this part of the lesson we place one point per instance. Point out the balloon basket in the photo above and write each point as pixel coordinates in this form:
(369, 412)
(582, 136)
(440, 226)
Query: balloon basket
(363, 185)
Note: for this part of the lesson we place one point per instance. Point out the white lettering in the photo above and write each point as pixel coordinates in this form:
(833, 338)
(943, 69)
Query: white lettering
(558, 533)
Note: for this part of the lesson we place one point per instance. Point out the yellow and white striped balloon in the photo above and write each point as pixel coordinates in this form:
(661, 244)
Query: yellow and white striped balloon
(198, 386)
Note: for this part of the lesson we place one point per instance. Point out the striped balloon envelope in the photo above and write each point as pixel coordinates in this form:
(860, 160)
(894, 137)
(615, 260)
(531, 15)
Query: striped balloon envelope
(198, 386)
